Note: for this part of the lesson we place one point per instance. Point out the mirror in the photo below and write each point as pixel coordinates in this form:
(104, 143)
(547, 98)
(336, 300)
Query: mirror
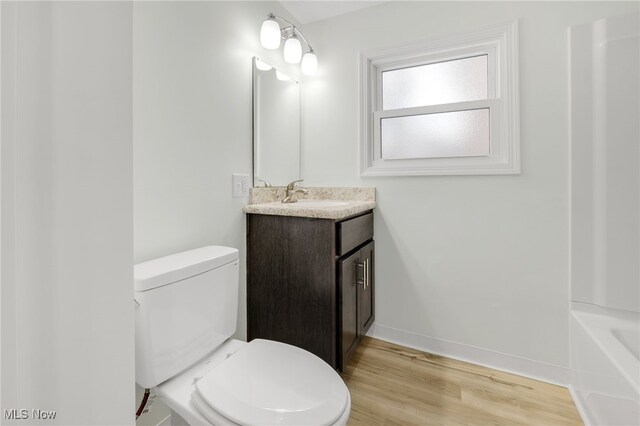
(276, 126)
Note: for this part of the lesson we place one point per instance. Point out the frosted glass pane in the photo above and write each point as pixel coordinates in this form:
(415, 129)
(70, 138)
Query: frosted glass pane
(446, 134)
(440, 83)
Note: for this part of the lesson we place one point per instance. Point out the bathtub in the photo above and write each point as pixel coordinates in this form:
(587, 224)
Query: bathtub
(605, 364)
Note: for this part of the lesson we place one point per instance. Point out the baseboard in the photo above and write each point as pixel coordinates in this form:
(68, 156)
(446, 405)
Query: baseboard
(536, 370)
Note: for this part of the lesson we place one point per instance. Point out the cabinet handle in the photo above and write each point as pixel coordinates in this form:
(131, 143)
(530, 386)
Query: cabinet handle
(358, 280)
(366, 273)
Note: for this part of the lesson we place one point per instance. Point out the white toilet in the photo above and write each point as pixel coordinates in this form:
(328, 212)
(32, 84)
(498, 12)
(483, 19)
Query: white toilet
(186, 310)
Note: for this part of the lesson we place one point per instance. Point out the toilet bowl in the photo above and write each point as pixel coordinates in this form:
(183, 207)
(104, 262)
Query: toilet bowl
(303, 394)
(186, 310)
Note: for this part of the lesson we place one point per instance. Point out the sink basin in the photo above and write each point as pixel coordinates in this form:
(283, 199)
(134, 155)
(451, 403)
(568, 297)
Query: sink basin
(318, 204)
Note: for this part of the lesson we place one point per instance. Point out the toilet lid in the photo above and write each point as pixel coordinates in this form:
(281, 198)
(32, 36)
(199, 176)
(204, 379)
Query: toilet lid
(269, 382)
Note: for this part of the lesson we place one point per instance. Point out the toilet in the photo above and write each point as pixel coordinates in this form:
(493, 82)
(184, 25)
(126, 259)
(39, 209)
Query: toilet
(186, 311)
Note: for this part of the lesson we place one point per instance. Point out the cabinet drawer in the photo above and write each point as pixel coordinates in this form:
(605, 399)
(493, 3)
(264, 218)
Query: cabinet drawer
(353, 232)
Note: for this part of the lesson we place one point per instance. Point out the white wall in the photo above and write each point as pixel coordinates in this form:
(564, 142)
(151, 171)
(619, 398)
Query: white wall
(67, 231)
(477, 260)
(192, 124)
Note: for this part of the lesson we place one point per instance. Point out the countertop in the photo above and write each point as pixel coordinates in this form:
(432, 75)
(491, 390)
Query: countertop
(319, 202)
(304, 208)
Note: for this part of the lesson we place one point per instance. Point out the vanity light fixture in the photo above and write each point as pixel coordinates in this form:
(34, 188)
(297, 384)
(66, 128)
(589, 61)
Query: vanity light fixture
(309, 64)
(292, 50)
(271, 34)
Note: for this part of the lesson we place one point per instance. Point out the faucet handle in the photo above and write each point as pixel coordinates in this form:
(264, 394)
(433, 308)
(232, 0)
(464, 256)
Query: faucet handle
(293, 184)
(266, 184)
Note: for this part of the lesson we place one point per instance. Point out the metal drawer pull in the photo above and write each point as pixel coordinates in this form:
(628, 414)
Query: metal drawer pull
(364, 274)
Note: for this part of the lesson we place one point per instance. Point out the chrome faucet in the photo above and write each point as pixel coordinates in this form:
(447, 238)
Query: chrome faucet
(291, 191)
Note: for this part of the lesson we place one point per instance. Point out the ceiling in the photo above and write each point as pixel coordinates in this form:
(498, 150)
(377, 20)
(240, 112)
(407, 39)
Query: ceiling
(307, 11)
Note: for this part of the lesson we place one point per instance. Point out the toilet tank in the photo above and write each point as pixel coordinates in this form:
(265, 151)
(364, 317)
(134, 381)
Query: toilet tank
(186, 305)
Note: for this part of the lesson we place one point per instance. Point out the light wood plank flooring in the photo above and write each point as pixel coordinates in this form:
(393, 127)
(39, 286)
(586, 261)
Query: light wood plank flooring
(394, 385)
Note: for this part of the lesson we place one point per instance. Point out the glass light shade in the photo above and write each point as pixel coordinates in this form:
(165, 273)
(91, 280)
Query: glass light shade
(270, 34)
(309, 63)
(282, 76)
(262, 66)
(292, 50)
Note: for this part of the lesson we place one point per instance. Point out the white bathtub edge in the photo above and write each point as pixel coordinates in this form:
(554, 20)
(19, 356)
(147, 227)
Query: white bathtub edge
(580, 406)
(601, 390)
(601, 332)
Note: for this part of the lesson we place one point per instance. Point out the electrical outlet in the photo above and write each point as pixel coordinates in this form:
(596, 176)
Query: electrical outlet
(240, 185)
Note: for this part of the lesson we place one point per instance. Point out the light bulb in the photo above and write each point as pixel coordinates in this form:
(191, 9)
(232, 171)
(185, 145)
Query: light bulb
(292, 50)
(309, 63)
(282, 76)
(262, 66)
(270, 34)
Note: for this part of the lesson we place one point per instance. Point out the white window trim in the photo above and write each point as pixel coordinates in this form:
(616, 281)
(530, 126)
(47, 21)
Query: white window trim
(500, 43)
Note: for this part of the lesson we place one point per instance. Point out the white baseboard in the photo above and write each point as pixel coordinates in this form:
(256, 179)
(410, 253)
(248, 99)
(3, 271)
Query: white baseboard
(536, 370)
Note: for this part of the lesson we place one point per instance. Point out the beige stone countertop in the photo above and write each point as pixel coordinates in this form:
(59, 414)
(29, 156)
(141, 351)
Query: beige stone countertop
(317, 208)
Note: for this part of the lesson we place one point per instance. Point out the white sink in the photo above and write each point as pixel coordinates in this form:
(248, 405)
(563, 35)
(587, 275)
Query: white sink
(318, 204)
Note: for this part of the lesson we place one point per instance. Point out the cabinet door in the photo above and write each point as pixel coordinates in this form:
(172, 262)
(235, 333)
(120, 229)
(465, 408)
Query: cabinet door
(348, 315)
(365, 289)
(291, 283)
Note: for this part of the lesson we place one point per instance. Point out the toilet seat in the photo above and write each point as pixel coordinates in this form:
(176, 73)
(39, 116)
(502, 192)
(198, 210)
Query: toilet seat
(269, 382)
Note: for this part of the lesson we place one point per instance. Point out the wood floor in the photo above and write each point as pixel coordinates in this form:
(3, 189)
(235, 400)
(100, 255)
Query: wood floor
(394, 385)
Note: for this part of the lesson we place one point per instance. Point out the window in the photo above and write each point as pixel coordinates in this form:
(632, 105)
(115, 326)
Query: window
(442, 106)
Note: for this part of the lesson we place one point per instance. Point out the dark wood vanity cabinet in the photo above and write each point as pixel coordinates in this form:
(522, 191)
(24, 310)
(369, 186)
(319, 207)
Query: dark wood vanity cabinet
(310, 282)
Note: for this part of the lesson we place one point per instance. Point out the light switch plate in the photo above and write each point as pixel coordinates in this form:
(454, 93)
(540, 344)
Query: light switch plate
(240, 185)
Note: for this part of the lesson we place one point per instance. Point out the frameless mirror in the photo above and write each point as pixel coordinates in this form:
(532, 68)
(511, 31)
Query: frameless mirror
(276, 126)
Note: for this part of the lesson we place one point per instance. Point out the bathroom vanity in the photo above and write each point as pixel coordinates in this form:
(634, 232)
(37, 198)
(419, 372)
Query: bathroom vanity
(310, 273)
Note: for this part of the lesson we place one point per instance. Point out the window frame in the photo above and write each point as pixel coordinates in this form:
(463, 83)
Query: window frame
(500, 44)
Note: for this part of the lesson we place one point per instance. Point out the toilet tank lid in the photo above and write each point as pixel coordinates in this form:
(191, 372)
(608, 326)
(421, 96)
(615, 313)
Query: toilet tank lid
(176, 267)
